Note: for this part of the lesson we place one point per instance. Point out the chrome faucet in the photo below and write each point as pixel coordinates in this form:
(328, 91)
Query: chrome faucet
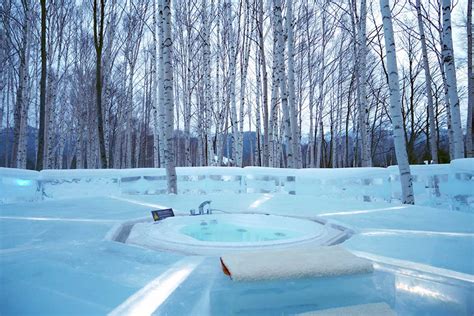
(201, 207)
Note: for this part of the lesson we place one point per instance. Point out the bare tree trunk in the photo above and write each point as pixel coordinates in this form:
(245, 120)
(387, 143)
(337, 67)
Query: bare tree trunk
(107, 80)
(244, 63)
(429, 95)
(450, 68)
(167, 85)
(310, 149)
(470, 84)
(395, 105)
(219, 104)
(130, 128)
(99, 44)
(273, 131)
(236, 139)
(265, 84)
(319, 125)
(154, 91)
(366, 157)
(20, 114)
(207, 81)
(22, 142)
(40, 153)
(294, 139)
(259, 151)
(280, 56)
(161, 108)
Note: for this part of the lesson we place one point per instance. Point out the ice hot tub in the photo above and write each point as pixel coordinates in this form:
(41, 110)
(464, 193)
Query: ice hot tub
(222, 233)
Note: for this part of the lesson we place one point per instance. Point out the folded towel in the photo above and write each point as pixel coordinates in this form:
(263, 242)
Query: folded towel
(293, 263)
(379, 309)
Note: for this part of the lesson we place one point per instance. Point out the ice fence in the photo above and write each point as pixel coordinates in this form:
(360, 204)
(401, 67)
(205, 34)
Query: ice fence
(445, 185)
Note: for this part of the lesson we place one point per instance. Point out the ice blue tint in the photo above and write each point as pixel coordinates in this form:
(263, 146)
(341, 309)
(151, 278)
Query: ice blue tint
(225, 232)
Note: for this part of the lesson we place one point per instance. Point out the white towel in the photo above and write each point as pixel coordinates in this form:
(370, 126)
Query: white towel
(293, 263)
(379, 309)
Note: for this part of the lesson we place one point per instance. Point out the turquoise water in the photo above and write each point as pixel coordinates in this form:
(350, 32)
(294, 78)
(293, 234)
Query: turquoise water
(215, 231)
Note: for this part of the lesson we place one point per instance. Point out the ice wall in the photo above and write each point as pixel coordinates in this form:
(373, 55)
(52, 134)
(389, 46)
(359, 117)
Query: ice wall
(461, 184)
(18, 185)
(58, 184)
(447, 186)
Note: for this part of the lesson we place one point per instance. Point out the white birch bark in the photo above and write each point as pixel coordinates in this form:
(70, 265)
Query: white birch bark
(429, 94)
(449, 64)
(128, 132)
(366, 157)
(263, 62)
(447, 104)
(107, 77)
(310, 150)
(50, 116)
(19, 114)
(154, 92)
(25, 78)
(294, 139)
(280, 56)
(167, 86)
(470, 83)
(188, 91)
(334, 123)
(244, 63)
(161, 108)
(319, 122)
(272, 131)
(258, 152)
(207, 81)
(219, 103)
(395, 105)
(236, 139)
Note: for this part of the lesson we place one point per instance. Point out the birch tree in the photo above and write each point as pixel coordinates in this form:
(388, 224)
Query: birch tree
(280, 58)
(154, 93)
(40, 153)
(21, 103)
(395, 105)
(232, 38)
(429, 95)
(364, 125)
(263, 67)
(98, 25)
(294, 138)
(470, 78)
(449, 64)
(166, 84)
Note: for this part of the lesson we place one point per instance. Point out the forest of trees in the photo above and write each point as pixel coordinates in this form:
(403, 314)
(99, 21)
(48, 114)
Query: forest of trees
(298, 84)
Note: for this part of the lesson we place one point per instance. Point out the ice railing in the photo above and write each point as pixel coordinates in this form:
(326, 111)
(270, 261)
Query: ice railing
(448, 185)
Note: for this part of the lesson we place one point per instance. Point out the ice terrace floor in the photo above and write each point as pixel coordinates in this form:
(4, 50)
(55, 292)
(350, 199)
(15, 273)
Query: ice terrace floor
(55, 259)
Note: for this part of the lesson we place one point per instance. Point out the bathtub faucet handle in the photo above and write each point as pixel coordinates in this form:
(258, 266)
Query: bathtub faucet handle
(201, 207)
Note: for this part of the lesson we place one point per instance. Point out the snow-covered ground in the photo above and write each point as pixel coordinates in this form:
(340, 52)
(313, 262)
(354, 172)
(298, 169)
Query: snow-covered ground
(56, 257)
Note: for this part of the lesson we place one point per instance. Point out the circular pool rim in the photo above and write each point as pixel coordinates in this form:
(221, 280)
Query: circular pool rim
(167, 235)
